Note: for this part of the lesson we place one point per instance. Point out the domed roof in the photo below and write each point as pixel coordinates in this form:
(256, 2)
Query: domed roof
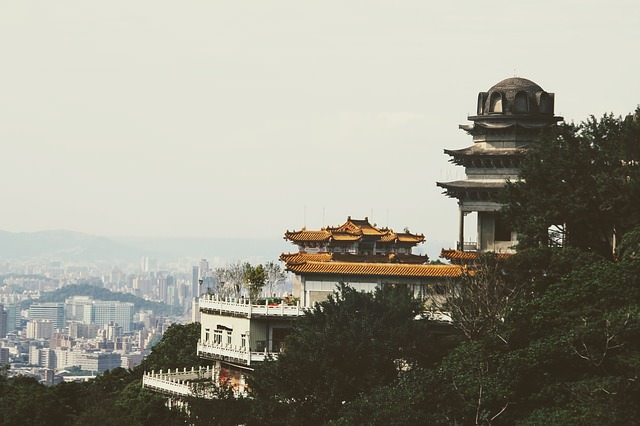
(516, 84)
(515, 96)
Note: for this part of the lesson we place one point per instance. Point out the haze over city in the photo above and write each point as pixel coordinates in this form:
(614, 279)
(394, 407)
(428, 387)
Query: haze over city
(245, 119)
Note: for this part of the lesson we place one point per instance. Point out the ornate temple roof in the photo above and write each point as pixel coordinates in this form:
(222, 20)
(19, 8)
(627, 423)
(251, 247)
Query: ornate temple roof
(376, 269)
(483, 151)
(353, 230)
(472, 189)
(300, 257)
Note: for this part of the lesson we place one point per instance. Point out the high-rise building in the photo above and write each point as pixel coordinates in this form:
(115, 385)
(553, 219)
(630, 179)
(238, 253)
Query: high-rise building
(48, 311)
(3, 322)
(40, 329)
(102, 313)
(195, 287)
(13, 316)
(75, 306)
(4, 356)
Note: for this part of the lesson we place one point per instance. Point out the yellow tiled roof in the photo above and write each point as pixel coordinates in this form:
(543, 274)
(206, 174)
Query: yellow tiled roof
(304, 235)
(305, 257)
(353, 230)
(358, 226)
(391, 236)
(346, 237)
(377, 269)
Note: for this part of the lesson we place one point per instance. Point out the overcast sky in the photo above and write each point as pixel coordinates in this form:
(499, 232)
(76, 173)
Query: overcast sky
(248, 118)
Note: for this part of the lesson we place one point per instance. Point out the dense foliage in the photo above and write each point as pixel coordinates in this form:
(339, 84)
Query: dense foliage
(114, 398)
(583, 182)
(350, 344)
(177, 349)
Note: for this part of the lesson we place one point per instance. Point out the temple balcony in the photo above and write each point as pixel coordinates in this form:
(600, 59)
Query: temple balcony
(179, 383)
(468, 246)
(213, 304)
(233, 354)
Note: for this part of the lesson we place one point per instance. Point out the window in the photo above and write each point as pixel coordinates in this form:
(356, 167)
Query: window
(206, 334)
(217, 337)
(521, 103)
(502, 229)
(545, 103)
(228, 337)
(481, 101)
(496, 102)
(243, 341)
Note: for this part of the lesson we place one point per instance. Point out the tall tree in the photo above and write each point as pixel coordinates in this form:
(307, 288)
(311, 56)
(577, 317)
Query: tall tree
(579, 186)
(255, 279)
(177, 349)
(478, 301)
(349, 344)
(275, 277)
(231, 279)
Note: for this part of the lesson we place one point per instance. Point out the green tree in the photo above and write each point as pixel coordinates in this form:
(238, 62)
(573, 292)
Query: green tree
(579, 186)
(255, 279)
(24, 401)
(177, 349)
(347, 345)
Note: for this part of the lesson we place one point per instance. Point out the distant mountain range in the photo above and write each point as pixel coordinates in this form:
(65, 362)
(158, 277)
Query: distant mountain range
(65, 245)
(71, 246)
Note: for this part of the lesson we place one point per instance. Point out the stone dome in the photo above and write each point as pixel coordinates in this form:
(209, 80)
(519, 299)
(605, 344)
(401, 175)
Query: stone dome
(516, 84)
(515, 96)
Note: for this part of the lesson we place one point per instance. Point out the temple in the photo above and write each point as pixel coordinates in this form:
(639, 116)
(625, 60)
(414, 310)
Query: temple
(355, 237)
(363, 256)
(237, 333)
(510, 118)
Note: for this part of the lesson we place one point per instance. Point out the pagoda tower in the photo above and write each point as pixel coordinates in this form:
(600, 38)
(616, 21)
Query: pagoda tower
(510, 117)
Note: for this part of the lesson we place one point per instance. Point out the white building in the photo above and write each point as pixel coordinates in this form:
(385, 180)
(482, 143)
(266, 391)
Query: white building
(40, 329)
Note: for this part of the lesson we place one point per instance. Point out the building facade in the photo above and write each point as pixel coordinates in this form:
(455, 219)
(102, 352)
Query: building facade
(53, 312)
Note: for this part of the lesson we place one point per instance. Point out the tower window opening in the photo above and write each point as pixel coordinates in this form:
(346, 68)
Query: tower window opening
(521, 103)
(496, 102)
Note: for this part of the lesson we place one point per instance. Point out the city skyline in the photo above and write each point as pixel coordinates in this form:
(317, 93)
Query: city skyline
(158, 119)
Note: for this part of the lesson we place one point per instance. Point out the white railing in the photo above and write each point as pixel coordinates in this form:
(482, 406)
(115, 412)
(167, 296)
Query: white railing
(177, 383)
(244, 307)
(233, 353)
(470, 246)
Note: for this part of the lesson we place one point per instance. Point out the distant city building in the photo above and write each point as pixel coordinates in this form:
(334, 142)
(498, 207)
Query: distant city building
(75, 307)
(43, 357)
(4, 356)
(13, 316)
(40, 329)
(48, 311)
(82, 330)
(95, 361)
(195, 287)
(3, 322)
(102, 313)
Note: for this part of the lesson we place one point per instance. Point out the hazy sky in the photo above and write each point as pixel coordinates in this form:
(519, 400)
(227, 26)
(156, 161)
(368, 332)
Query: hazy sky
(248, 118)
